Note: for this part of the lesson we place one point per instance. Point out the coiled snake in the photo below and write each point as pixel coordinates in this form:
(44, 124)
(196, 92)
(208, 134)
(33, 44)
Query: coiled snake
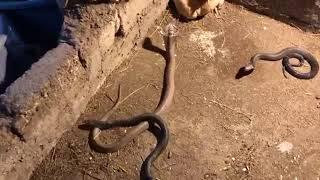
(285, 54)
(141, 123)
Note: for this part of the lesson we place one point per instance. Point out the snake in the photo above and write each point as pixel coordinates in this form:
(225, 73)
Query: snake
(150, 118)
(286, 54)
(139, 124)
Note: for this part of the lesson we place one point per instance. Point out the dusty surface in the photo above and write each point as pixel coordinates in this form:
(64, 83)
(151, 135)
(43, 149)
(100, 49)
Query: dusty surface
(260, 127)
(305, 13)
(49, 98)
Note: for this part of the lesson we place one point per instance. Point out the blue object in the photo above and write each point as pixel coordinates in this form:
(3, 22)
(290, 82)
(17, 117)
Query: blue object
(35, 21)
(22, 4)
(28, 28)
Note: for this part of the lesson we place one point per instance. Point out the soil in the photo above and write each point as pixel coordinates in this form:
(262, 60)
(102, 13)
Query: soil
(262, 126)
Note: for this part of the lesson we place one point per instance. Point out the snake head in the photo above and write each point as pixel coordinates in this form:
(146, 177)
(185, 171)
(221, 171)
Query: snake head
(244, 71)
(91, 124)
(249, 67)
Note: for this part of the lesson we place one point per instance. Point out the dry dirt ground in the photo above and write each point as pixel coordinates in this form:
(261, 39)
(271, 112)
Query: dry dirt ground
(262, 126)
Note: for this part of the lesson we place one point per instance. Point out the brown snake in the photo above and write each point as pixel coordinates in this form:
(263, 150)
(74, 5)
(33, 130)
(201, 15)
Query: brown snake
(142, 123)
(165, 101)
(285, 54)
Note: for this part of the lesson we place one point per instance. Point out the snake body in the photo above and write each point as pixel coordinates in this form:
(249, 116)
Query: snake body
(142, 123)
(150, 119)
(285, 54)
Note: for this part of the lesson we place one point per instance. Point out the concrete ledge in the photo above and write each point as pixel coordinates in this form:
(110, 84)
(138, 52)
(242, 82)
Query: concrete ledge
(305, 13)
(48, 99)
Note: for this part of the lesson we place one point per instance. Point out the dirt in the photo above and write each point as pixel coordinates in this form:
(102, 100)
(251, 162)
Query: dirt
(262, 126)
(302, 14)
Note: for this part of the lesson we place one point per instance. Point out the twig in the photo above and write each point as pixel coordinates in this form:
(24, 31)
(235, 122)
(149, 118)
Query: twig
(187, 97)
(178, 64)
(246, 36)
(156, 167)
(153, 85)
(53, 154)
(230, 108)
(141, 157)
(122, 169)
(92, 176)
(167, 166)
(118, 102)
(164, 16)
(135, 91)
(114, 107)
(314, 34)
(224, 40)
(129, 62)
(295, 26)
(109, 97)
(124, 69)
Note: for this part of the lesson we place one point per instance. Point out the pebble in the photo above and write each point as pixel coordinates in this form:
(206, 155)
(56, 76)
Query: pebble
(225, 168)
(285, 147)
(244, 169)
(318, 97)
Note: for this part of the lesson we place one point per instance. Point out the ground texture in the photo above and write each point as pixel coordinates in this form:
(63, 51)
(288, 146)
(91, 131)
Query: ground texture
(262, 126)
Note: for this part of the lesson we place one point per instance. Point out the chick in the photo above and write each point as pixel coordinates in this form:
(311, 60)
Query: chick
(191, 9)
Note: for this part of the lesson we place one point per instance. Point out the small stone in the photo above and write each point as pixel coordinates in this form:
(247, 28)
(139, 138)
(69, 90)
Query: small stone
(233, 159)
(225, 168)
(318, 97)
(90, 158)
(44, 94)
(244, 169)
(285, 147)
(210, 175)
(169, 155)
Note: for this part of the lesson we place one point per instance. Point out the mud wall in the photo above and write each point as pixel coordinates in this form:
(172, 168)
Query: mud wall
(48, 99)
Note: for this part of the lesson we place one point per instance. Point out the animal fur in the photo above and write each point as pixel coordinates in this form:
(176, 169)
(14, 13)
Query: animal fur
(192, 9)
